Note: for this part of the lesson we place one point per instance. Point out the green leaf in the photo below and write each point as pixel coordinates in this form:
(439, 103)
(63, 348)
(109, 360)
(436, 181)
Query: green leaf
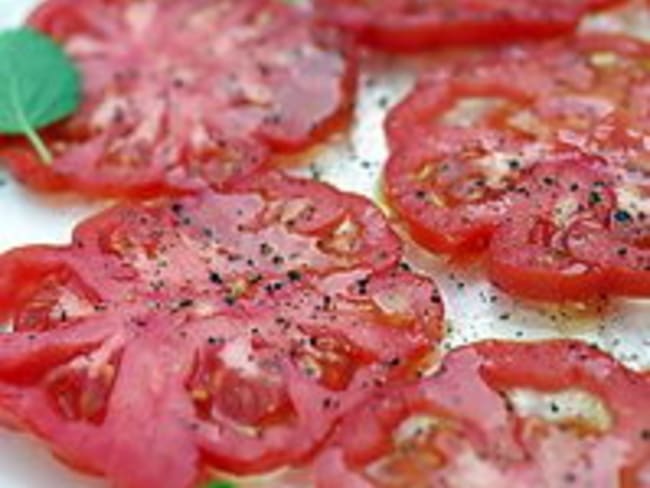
(220, 484)
(39, 85)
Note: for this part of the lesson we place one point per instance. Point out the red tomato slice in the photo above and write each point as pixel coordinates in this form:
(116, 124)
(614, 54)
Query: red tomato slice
(409, 25)
(585, 91)
(571, 237)
(181, 95)
(459, 429)
(225, 331)
(454, 186)
(480, 125)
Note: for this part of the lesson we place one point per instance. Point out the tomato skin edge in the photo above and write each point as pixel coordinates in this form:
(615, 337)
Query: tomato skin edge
(543, 285)
(438, 241)
(399, 39)
(403, 34)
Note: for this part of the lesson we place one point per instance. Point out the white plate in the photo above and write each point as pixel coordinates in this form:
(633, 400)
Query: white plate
(352, 163)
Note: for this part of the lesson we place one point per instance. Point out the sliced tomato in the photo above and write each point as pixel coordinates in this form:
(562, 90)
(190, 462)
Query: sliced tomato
(530, 253)
(225, 331)
(455, 186)
(409, 25)
(571, 236)
(459, 428)
(180, 96)
(586, 91)
(469, 132)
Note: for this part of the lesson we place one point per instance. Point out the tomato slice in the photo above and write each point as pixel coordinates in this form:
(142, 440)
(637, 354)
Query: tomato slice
(571, 237)
(468, 133)
(225, 331)
(410, 25)
(454, 186)
(180, 96)
(576, 90)
(458, 428)
(584, 91)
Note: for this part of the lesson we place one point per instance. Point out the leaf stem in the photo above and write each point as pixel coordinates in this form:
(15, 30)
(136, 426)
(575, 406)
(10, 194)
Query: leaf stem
(29, 131)
(40, 147)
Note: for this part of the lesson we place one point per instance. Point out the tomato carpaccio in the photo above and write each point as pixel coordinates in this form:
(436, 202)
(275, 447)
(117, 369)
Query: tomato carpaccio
(586, 91)
(466, 141)
(570, 236)
(410, 25)
(182, 94)
(223, 331)
(462, 428)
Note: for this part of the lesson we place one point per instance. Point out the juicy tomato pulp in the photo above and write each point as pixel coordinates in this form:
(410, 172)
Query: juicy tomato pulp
(569, 236)
(225, 331)
(185, 94)
(482, 128)
(409, 25)
(461, 427)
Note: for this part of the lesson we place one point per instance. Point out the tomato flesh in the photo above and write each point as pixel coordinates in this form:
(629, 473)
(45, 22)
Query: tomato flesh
(468, 143)
(465, 432)
(224, 331)
(181, 96)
